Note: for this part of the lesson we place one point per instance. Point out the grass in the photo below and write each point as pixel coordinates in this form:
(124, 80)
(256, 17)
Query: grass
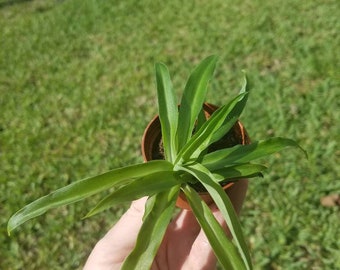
(77, 89)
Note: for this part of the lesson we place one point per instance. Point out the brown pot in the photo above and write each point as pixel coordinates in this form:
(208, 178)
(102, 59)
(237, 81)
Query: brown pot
(152, 150)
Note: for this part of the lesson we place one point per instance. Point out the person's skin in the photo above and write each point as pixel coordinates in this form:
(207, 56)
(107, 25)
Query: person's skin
(184, 246)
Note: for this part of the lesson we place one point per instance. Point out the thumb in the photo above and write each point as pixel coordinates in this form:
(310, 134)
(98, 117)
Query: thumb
(116, 245)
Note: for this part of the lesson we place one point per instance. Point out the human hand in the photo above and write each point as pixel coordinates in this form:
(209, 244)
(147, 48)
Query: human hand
(184, 245)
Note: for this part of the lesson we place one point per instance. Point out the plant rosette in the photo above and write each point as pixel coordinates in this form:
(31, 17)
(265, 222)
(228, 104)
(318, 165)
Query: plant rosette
(152, 149)
(188, 163)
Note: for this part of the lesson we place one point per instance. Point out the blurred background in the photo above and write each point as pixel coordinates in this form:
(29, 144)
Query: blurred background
(77, 89)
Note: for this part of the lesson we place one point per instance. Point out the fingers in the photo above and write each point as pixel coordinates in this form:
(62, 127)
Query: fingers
(185, 221)
(184, 239)
(201, 254)
(124, 233)
(178, 239)
(113, 248)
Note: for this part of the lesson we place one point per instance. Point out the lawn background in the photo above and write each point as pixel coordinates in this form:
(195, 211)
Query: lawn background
(77, 89)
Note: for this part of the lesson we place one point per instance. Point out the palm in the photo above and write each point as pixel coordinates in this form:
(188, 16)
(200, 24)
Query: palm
(184, 246)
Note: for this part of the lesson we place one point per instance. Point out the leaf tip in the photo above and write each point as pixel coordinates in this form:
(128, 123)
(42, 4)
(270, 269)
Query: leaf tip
(211, 59)
(86, 216)
(10, 226)
(89, 214)
(246, 85)
(304, 152)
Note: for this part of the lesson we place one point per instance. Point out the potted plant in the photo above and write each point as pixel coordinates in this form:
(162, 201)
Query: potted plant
(192, 153)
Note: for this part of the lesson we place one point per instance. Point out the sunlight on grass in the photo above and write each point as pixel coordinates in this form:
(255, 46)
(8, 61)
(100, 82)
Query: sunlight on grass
(77, 89)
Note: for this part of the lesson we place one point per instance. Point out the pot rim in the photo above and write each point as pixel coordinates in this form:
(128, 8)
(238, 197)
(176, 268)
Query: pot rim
(153, 131)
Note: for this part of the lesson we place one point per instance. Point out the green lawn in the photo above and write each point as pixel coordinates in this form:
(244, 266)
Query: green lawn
(77, 89)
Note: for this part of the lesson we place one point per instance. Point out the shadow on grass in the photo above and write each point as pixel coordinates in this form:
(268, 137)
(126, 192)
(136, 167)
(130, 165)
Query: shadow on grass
(39, 8)
(12, 2)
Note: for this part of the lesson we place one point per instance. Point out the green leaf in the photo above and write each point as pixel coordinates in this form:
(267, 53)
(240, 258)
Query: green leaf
(234, 114)
(150, 203)
(152, 231)
(224, 204)
(225, 251)
(247, 153)
(140, 187)
(238, 171)
(85, 188)
(168, 111)
(202, 139)
(201, 119)
(193, 98)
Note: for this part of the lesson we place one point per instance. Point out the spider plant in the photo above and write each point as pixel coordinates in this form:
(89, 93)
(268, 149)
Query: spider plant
(186, 136)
